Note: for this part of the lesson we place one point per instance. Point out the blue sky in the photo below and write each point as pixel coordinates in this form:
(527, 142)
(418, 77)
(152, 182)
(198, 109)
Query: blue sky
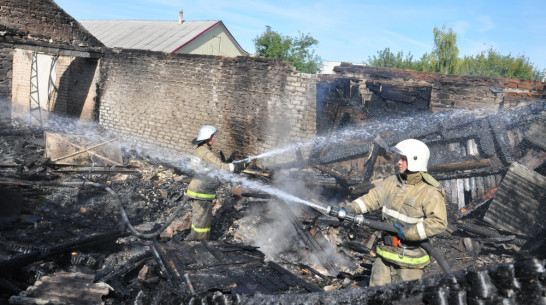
(352, 31)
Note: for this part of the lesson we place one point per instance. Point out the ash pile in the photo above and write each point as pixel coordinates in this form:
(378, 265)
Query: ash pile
(64, 239)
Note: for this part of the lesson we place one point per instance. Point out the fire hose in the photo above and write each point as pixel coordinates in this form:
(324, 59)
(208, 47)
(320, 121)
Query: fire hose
(360, 220)
(124, 214)
(158, 231)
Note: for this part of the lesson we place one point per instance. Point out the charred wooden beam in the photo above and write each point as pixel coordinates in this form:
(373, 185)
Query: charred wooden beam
(256, 173)
(469, 208)
(311, 270)
(256, 195)
(458, 122)
(135, 262)
(339, 177)
(478, 229)
(215, 266)
(460, 166)
(356, 246)
(537, 135)
(63, 288)
(171, 274)
(28, 258)
(291, 278)
(331, 178)
(505, 151)
(485, 139)
(533, 159)
(479, 129)
(360, 189)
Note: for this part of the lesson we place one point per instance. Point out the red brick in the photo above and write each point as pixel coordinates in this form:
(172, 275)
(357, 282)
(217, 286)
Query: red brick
(511, 85)
(526, 86)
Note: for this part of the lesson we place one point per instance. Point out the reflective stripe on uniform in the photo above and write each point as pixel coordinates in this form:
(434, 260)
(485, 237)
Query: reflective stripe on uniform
(421, 230)
(402, 217)
(396, 257)
(361, 205)
(200, 195)
(199, 230)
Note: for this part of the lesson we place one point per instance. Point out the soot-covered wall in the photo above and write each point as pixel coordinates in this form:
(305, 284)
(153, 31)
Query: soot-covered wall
(257, 104)
(356, 93)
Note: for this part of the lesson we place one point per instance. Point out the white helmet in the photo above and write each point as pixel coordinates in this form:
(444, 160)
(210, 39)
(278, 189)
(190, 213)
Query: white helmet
(205, 133)
(416, 152)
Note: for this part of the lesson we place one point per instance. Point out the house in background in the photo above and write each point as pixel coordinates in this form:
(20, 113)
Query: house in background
(187, 37)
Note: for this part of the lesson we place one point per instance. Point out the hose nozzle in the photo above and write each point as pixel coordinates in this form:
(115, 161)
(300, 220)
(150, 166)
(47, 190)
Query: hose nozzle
(342, 214)
(247, 160)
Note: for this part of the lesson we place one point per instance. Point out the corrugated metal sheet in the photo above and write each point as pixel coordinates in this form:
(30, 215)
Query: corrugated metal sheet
(163, 36)
(519, 204)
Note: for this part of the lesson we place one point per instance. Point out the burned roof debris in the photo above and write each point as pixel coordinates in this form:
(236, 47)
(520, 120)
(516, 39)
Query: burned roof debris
(61, 227)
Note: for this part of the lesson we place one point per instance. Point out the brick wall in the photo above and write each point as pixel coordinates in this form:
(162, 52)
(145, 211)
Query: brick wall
(451, 91)
(42, 21)
(256, 104)
(6, 59)
(75, 80)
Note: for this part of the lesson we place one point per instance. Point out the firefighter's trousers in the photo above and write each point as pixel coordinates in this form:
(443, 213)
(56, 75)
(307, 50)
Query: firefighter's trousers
(385, 273)
(201, 219)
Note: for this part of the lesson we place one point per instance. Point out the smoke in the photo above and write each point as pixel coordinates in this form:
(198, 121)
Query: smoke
(272, 231)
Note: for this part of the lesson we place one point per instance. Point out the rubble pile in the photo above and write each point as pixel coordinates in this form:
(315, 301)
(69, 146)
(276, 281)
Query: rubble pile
(63, 238)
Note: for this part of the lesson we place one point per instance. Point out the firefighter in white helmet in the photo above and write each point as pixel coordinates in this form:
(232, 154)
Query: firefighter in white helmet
(414, 202)
(202, 188)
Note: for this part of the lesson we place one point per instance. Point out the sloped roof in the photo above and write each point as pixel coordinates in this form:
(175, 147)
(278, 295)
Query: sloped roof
(164, 36)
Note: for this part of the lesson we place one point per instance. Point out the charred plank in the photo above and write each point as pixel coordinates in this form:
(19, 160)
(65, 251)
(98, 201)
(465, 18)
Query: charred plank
(505, 151)
(25, 259)
(135, 262)
(460, 166)
(291, 279)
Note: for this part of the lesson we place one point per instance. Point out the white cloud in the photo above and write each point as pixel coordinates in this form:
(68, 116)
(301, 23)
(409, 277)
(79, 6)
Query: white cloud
(407, 39)
(486, 24)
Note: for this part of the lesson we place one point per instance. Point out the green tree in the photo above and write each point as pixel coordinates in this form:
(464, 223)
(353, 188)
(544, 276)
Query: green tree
(296, 50)
(492, 64)
(444, 59)
(445, 53)
(386, 58)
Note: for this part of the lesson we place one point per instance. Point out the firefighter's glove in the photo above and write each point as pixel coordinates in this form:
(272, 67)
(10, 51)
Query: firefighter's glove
(240, 166)
(400, 229)
(349, 208)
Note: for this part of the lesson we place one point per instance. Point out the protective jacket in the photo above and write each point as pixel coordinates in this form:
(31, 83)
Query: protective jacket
(416, 203)
(204, 184)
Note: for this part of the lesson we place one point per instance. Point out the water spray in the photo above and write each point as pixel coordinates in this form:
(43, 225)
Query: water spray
(367, 133)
